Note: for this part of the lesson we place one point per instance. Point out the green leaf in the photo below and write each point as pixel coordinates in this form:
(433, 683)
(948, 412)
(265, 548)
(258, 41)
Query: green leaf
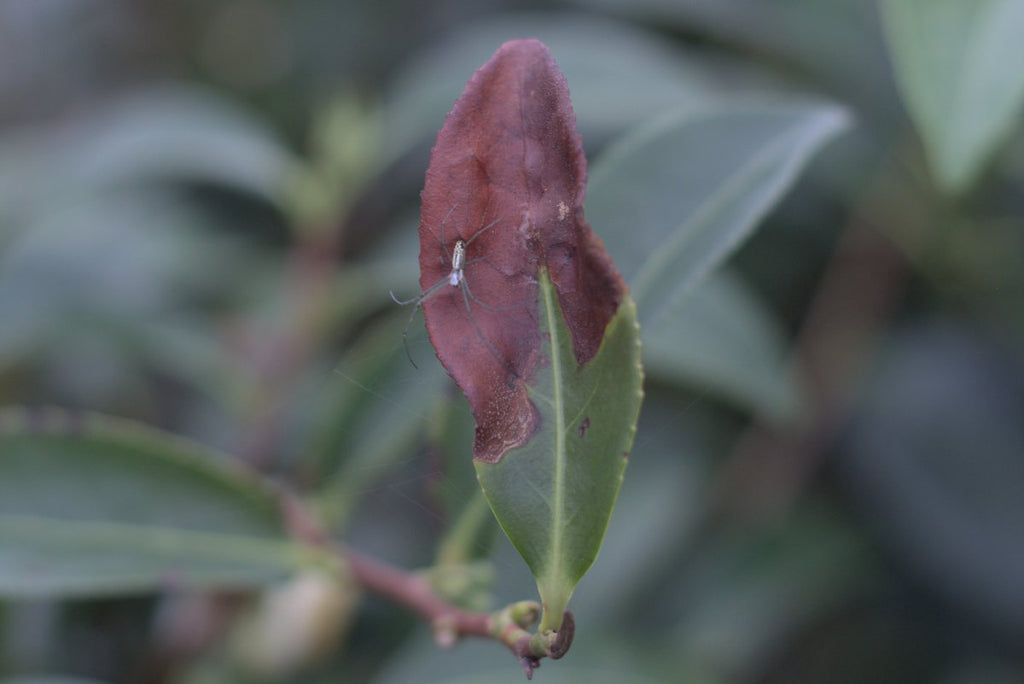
(958, 65)
(835, 45)
(675, 199)
(746, 593)
(724, 340)
(126, 273)
(156, 134)
(553, 497)
(49, 679)
(92, 505)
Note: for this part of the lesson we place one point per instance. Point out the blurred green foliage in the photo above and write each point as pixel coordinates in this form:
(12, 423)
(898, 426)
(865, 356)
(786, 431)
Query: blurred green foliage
(204, 205)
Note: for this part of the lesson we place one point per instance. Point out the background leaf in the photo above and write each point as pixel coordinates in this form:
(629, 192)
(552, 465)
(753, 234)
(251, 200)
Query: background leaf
(617, 74)
(723, 340)
(677, 197)
(957, 65)
(836, 43)
(674, 199)
(49, 679)
(935, 458)
(92, 506)
(155, 134)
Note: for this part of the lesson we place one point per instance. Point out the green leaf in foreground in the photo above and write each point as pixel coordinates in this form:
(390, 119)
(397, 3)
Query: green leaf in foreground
(530, 317)
(93, 506)
(958, 65)
(554, 495)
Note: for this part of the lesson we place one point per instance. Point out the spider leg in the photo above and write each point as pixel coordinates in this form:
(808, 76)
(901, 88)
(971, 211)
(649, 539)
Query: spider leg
(405, 337)
(442, 240)
(489, 307)
(402, 302)
(482, 231)
(466, 295)
(494, 309)
(418, 300)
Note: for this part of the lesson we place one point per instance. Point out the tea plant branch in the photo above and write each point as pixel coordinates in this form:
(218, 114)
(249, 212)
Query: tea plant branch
(413, 590)
(509, 625)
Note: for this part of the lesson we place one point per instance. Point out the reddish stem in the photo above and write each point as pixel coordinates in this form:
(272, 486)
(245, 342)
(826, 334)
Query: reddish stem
(450, 622)
(414, 592)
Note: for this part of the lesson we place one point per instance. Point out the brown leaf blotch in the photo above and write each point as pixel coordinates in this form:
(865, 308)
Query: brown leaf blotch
(507, 177)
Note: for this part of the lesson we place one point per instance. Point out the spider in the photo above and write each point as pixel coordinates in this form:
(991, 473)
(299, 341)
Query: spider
(455, 278)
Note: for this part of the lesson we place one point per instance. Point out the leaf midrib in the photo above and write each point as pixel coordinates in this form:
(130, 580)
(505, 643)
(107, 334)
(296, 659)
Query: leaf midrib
(558, 480)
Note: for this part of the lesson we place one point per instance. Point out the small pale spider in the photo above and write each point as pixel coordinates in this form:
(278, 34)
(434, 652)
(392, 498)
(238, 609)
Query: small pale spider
(455, 278)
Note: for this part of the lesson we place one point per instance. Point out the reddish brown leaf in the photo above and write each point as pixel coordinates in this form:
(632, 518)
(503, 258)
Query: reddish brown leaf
(507, 177)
